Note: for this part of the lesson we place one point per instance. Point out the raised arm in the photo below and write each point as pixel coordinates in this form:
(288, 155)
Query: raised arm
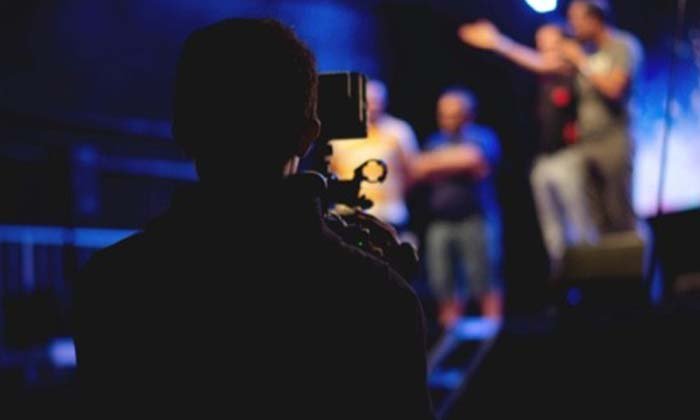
(485, 35)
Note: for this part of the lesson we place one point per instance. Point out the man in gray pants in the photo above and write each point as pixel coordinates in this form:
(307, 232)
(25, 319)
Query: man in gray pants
(582, 190)
(588, 184)
(607, 60)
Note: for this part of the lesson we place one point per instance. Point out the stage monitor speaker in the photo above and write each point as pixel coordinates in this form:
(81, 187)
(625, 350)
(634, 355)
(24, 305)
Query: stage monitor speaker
(617, 257)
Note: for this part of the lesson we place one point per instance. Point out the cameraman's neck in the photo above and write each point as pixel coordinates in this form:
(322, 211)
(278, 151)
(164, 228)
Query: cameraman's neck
(239, 188)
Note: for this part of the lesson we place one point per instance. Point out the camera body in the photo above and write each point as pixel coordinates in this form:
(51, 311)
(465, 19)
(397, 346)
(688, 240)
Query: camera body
(342, 109)
(342, 105)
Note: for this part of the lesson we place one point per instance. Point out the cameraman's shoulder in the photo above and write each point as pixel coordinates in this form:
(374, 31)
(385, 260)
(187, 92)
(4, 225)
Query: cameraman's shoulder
(113, 260)
(369, 274)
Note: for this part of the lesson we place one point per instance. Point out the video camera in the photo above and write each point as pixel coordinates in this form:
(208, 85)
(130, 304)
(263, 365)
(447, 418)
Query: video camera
(342, 109)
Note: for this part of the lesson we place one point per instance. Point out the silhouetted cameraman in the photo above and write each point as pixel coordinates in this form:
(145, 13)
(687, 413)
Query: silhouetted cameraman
(239, 300)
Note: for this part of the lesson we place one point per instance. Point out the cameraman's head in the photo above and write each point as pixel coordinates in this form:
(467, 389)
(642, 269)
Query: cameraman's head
(455, 109)
(245, 91)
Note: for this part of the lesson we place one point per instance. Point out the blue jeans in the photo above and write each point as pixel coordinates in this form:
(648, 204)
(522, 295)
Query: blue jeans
(461, 250)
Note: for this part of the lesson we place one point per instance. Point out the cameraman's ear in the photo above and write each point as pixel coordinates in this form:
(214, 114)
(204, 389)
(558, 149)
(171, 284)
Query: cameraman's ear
(308, 135)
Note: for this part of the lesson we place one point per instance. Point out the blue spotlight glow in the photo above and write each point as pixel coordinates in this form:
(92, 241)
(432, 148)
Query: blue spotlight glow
(574, 296)
(542, 6)
(62, 353)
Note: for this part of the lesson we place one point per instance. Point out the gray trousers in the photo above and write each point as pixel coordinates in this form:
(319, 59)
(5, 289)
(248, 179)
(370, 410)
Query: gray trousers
(461, 250)
(609, 169)
(583, 191)
(559, 189)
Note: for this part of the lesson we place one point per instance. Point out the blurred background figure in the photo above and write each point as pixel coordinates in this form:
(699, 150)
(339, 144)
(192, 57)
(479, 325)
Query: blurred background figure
(388, 139)
(583, 191)
(558, 175)
(556, 96)
(556, 105)
(607, 62)
(462, 239)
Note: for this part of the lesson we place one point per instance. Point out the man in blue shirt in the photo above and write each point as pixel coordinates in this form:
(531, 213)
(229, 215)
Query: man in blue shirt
(459, 162)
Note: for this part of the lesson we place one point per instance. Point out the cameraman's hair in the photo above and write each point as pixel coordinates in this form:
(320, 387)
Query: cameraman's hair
(464, 93)
(599, 9)
(250, 80)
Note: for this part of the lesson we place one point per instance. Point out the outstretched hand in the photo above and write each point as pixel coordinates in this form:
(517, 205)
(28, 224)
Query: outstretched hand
(481, 34)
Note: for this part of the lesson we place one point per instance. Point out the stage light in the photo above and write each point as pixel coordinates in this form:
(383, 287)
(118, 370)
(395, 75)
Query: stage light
(542, 6)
